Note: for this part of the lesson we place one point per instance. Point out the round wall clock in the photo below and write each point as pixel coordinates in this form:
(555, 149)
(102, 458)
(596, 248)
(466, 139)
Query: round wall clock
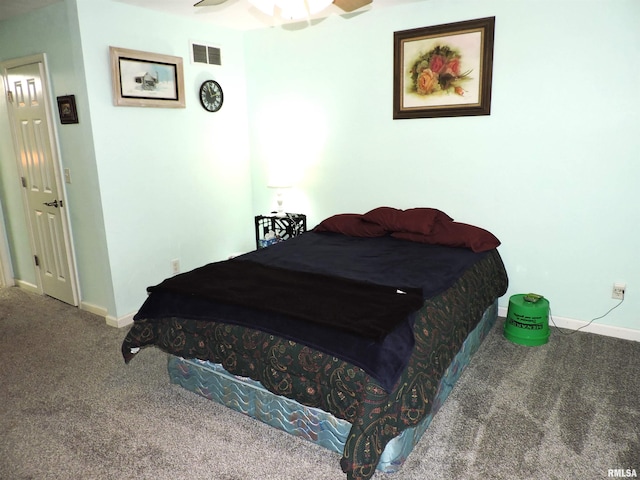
(211, 96)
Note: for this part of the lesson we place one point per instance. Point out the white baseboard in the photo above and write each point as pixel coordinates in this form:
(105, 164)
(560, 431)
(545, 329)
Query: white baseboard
(29, 287)
(89, 307)
(110, 320)
(597, 328)
(120, 322)
(95, 309)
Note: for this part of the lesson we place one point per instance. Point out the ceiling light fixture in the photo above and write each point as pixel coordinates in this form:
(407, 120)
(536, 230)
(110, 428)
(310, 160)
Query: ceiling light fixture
(294, 9)
(208, 3)
(291, 9)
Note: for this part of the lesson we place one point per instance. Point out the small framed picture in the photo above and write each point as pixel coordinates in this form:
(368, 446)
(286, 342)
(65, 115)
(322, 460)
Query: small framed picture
(67, 109)
(443, 70)
(143, 79)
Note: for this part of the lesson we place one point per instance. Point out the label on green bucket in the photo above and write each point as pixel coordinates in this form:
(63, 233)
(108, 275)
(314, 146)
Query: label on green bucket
(527, 322)
(526, 326)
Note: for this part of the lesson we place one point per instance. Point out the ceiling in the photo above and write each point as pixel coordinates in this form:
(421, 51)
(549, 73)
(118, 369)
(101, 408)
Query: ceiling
(236, 14)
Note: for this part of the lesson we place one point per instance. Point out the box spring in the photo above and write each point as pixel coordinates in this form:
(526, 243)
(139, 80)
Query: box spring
(249, 397)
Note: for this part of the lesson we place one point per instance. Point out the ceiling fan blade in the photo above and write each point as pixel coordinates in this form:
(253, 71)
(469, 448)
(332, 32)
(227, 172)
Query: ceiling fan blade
(351, 5)
(208, 3)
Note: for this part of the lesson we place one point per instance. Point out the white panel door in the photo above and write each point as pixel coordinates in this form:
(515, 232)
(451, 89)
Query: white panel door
(35, 143)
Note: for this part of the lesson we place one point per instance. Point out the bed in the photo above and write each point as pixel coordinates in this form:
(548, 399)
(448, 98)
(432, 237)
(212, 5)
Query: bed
(350, 335)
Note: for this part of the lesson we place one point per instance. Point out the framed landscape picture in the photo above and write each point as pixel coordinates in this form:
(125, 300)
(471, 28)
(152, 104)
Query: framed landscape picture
(443, 70)
(143, 79)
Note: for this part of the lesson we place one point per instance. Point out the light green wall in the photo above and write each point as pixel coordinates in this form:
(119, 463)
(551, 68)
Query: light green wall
(174, 183)
(54, 31)
(149, 185)
(553, 171)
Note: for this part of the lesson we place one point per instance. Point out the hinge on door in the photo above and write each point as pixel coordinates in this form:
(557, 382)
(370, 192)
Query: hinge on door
(35, 257)
(10, 96)
(24, 182)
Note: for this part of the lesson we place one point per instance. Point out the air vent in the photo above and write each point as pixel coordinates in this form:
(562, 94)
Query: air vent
(206, 54)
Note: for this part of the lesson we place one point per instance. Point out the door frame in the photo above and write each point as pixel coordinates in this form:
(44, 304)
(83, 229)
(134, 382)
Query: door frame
(6, 267)
(41, 58)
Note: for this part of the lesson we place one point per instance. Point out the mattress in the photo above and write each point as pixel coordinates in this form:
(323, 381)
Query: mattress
(249, 397)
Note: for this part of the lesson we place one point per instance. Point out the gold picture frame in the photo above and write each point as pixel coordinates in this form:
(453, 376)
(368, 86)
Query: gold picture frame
(144, 79)
(443, 70)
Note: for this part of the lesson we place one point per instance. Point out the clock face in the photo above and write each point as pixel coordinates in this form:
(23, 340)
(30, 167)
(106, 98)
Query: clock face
(211, 96)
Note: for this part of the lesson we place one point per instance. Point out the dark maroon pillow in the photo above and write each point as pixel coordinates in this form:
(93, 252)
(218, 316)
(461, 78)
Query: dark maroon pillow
(423, 220)
(350, 224)
(417, 220)
(386, 217)
(454, 234)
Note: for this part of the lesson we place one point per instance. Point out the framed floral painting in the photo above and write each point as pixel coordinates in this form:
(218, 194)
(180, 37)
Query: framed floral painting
(443, 70)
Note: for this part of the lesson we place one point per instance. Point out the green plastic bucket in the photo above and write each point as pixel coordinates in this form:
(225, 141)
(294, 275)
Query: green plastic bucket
(527, 322)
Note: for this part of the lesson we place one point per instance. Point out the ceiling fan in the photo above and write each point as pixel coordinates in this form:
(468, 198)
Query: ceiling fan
(346, 5)
(209, 3)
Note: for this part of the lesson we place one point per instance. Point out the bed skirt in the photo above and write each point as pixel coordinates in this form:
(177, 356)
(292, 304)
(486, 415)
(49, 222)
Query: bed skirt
(249, 397)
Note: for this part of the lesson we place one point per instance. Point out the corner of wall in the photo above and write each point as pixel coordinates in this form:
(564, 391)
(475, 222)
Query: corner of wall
(120, 322)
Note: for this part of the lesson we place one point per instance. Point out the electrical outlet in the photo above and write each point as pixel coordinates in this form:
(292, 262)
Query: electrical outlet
(175, 266)
(618, 291)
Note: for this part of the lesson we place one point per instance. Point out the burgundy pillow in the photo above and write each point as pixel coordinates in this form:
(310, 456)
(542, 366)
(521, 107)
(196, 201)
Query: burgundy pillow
(386, 217)
(454, 234)
(417, 220)
(350, 224)
(423, 220)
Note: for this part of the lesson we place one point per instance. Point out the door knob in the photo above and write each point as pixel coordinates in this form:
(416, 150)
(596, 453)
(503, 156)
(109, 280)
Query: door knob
(52, 204)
